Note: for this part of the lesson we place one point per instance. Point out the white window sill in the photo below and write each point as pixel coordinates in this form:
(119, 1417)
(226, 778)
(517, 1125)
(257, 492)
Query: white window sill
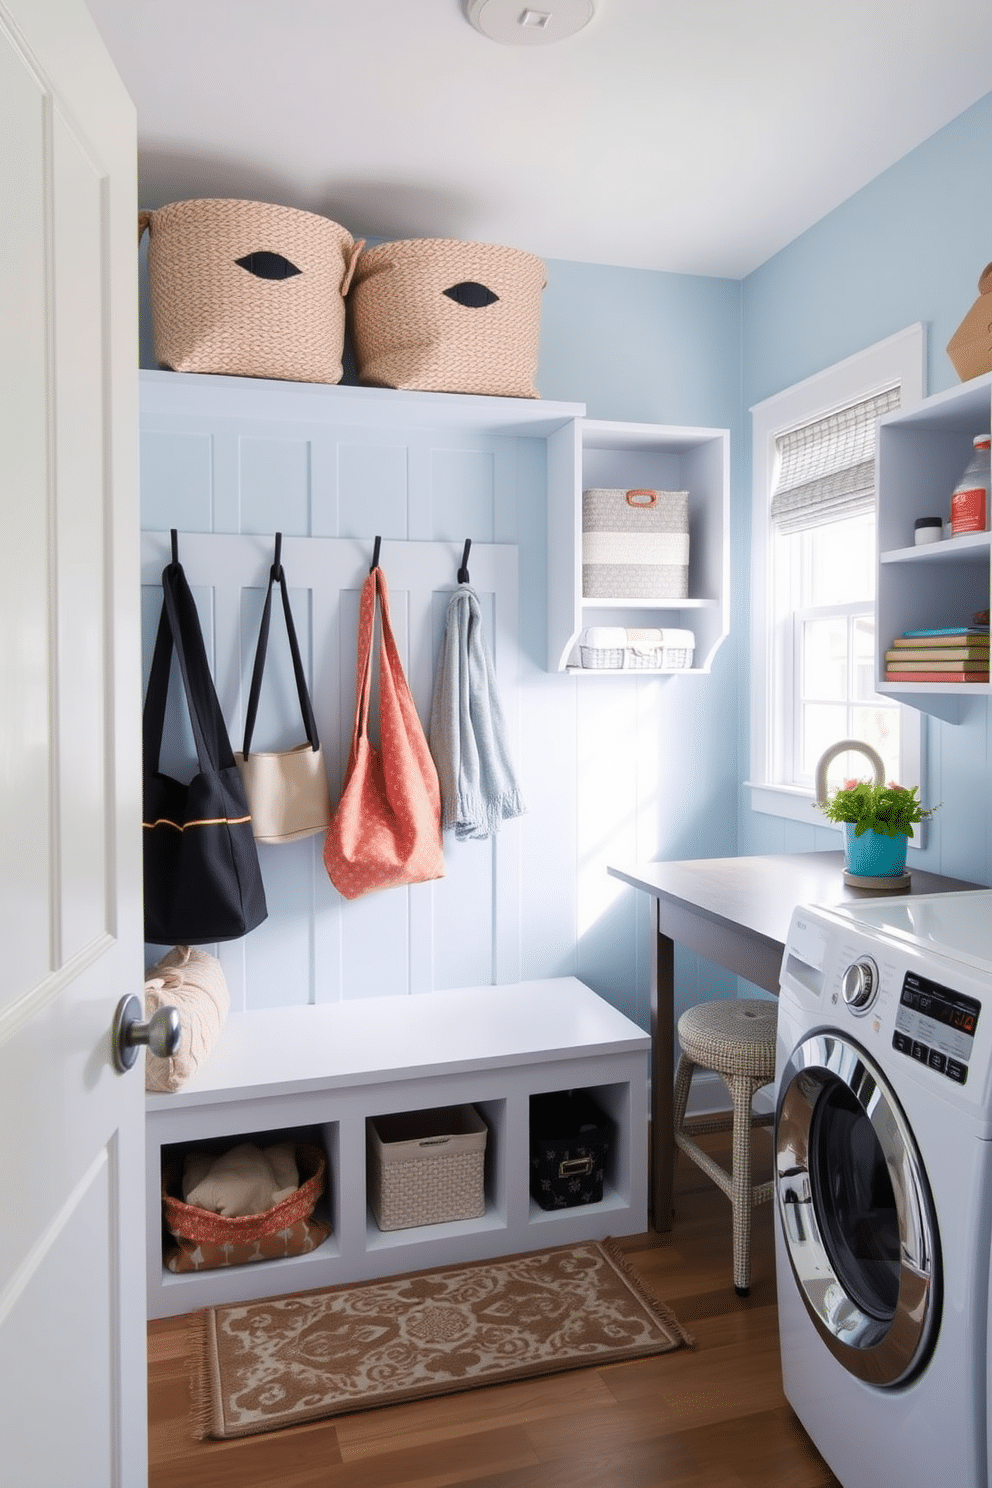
(785, 800)
(800, 805)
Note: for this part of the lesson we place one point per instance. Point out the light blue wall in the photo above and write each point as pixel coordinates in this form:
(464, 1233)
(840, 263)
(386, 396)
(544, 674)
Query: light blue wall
(661, 348)
(909, 247)
(642, 346)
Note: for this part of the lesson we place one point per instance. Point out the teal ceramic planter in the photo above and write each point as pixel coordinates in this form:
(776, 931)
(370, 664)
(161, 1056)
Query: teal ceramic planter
(871, 856)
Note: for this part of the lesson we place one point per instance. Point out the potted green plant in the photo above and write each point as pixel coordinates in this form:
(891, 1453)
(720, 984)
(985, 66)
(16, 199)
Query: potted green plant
(877, 821)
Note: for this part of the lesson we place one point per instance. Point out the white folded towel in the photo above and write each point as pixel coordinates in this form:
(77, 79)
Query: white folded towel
(604, 637)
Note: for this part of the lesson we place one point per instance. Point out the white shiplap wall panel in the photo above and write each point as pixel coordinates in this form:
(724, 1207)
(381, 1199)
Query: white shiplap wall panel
(315, 947)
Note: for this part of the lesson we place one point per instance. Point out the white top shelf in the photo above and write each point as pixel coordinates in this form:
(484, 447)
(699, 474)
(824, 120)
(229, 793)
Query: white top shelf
(963, 409)
(200, 394)
(623, 438)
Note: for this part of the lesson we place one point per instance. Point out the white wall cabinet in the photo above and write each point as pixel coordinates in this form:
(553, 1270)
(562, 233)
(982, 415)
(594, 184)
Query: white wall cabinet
(593, 452)
(921, 453)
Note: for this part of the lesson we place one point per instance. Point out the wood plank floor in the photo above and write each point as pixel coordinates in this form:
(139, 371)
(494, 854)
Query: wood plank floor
(712, 1417)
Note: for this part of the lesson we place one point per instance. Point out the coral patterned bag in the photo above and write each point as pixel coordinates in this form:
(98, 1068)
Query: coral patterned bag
(386, 830)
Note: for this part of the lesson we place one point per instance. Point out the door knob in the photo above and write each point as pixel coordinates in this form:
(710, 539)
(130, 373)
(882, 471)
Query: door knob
(162, 1033)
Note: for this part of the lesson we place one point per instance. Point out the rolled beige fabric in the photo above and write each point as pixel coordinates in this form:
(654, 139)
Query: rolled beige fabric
(193, 982)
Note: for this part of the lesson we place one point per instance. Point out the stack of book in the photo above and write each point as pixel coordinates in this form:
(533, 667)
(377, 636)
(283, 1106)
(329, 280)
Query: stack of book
(957, 654)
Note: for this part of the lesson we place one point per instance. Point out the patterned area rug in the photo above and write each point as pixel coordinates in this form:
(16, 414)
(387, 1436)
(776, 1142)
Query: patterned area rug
(299, 1358)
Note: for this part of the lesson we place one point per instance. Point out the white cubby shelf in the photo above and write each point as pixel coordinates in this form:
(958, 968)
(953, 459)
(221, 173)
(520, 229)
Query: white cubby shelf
(920, 455)
(596, 452)
(319, 1073)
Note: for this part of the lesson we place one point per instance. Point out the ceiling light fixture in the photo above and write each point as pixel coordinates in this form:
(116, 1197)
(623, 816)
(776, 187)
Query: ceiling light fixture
(514, 23)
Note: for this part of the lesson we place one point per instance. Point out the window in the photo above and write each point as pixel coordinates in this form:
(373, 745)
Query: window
(813, 572)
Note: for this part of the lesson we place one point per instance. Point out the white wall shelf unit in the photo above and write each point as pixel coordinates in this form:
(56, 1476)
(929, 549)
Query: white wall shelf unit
(593, 452)
(921, 453)
(323, 1072)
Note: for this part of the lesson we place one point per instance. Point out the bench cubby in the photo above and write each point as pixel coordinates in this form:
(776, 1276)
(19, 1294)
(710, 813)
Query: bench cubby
(326, 1070)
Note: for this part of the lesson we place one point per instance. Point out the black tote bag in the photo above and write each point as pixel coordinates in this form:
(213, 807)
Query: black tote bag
(202, 877)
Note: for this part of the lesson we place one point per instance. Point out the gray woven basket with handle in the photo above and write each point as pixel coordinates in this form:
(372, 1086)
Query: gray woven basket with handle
(635, 544)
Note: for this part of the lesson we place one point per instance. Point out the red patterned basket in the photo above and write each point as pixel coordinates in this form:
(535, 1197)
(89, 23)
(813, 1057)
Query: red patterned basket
(204, 1240)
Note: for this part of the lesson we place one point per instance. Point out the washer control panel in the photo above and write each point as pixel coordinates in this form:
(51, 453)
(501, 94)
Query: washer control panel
(936, 1026)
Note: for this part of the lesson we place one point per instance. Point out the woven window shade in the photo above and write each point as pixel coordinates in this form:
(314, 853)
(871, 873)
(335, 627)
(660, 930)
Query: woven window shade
(826, 469)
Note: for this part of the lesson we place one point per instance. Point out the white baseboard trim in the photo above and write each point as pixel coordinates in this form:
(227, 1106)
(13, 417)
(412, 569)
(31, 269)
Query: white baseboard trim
(709, 1096)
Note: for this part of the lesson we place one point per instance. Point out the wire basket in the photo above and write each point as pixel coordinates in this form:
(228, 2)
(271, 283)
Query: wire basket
(642, 649)
(602, 658)
(659, 658)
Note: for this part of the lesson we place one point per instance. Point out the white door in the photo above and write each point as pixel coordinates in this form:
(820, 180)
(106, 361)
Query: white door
(72, 1351)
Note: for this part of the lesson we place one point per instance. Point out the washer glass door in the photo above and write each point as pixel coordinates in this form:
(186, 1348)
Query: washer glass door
(856, 1211)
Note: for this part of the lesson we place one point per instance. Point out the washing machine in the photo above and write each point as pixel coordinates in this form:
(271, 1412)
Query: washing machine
(883, 1186)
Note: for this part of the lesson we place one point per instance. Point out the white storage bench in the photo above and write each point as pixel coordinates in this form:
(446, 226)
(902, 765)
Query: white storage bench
(322, 1072)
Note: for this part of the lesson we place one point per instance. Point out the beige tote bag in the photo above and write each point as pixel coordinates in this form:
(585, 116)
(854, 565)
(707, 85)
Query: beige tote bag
(287, 790)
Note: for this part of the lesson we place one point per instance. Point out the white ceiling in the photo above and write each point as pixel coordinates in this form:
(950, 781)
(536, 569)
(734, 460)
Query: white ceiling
(697, 136)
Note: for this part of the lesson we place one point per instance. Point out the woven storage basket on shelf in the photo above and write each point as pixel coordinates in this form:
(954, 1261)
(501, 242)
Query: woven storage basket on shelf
(439, 315)
(426, 1167)
(248, 289)
(199, 1240)
(635, 544)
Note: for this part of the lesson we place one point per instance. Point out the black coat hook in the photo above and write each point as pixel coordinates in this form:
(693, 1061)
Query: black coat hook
(276, 571)
(463, 577)
(375, 554)
(175, 545)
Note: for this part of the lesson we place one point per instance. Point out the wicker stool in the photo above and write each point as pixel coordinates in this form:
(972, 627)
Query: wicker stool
(735, 1039)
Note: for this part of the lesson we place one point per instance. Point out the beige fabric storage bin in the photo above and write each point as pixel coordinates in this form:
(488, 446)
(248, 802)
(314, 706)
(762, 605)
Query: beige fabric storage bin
(439, 315)
(426, 1167)
(248, 289)
(635, 544)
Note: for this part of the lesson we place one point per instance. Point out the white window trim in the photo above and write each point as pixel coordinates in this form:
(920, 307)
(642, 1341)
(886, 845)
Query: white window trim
(899, 358)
